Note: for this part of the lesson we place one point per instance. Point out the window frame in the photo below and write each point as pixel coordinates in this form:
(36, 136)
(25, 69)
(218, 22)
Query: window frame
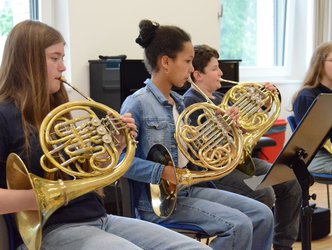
(34, 9)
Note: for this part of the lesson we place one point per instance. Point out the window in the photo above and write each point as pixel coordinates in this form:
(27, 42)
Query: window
(273, 38)
(254, 31)
(13, 12)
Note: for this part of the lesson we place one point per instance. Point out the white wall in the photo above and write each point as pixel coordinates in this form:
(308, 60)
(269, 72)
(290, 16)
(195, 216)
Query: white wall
(109, 27)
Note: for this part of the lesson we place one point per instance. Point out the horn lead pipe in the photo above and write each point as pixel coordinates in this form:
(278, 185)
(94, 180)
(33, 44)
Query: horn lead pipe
(62, 79)
(228, 81)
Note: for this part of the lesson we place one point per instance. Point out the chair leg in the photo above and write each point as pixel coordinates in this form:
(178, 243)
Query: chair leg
(328, 195)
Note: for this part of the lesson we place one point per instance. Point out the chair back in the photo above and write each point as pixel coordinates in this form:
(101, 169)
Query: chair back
(6, 233)
(127, 198)
(292, 122)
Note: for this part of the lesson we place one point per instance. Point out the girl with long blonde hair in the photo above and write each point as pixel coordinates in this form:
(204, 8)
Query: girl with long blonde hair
(318, 80)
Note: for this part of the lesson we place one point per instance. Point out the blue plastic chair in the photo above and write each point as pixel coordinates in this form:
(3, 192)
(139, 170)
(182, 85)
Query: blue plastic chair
(291, 122)
(324, 179)
(128, 210)
(319, 178)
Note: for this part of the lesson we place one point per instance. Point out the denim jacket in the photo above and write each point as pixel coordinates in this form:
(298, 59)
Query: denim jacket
(155, 123)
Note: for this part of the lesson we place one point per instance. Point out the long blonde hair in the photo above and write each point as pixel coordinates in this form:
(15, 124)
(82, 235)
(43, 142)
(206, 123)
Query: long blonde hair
(315, 72)
(23, 73)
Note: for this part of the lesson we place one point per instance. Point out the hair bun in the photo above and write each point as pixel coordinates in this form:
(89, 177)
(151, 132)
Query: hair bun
(147, 32)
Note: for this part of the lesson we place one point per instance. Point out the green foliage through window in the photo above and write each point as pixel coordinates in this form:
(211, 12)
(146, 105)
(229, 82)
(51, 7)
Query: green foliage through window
(254, 31)
(6, 18)
(238, 31)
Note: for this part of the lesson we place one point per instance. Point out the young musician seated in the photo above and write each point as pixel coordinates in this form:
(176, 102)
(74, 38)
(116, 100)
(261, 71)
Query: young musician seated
(285, 197)
(237, 221)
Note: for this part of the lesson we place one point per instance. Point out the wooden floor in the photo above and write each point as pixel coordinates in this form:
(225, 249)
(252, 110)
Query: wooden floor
(321, 201)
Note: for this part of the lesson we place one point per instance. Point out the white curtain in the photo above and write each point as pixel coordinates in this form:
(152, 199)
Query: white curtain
(322, 21)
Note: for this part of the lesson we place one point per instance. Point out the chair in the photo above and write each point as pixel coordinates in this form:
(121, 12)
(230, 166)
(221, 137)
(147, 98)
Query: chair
(6, 235)
(128, 210)
(263, 142)
(324, 179)
(292, 122)
(319, 178)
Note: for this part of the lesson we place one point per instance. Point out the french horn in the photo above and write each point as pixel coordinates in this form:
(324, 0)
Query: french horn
(259, 108)
(214, 145)
(85, 147)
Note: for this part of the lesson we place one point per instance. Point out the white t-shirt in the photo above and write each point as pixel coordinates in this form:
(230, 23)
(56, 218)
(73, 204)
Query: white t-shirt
(183, 161)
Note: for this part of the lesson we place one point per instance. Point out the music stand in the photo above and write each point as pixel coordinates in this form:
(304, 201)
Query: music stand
(308, 137)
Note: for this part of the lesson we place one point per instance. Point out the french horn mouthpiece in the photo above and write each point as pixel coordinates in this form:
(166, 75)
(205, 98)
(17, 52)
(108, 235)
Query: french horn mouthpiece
(62, 79)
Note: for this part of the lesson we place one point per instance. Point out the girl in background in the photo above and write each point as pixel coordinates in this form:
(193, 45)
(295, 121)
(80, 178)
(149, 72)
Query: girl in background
(318, 80)
(285, 197)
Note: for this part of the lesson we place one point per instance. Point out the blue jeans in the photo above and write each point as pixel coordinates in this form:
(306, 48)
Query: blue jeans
(286, 198)
(237, 221)
(115, 232)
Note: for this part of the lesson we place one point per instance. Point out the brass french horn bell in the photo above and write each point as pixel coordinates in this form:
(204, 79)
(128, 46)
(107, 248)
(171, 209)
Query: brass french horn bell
(163, 197)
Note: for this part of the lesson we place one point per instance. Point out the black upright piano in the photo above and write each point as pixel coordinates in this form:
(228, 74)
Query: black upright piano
(111, 81)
